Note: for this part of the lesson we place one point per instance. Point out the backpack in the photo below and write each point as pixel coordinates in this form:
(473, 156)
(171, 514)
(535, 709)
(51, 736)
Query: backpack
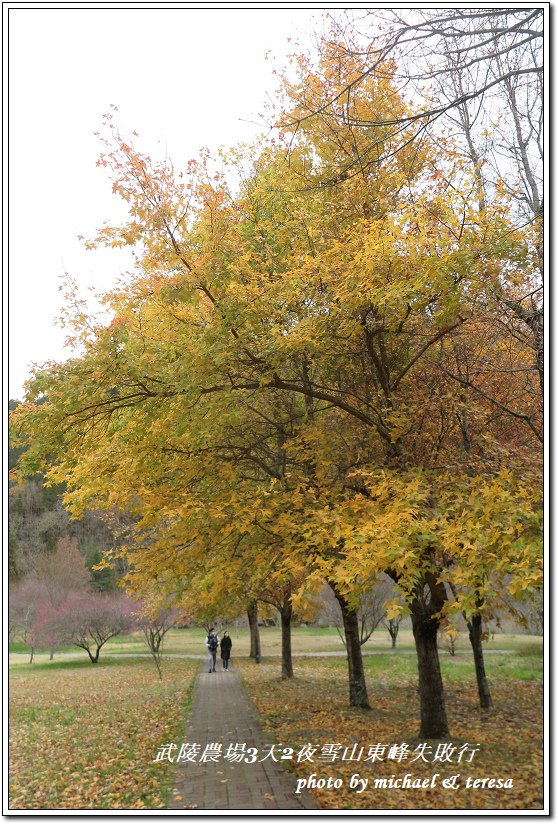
(213, 642)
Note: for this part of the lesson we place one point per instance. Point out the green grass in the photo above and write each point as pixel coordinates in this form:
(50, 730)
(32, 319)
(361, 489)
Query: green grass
(459, 669)
(17, 646)
(72, 663)
(304, 640)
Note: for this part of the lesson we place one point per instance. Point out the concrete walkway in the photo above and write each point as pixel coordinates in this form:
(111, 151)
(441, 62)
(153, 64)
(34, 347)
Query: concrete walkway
(223, 714)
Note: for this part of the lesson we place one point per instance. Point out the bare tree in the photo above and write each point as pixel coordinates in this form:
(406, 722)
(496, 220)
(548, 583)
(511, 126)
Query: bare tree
(528, 613)
(392, 626)
(493, 51)
(62, 571)
(89, 620)
(371, 611)
(24, 600)
(154, 628)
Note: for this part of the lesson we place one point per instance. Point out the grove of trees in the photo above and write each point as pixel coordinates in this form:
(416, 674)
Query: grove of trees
(326, 365)
(56, 604)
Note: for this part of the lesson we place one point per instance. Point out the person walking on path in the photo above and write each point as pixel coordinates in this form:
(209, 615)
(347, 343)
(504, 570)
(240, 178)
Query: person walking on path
(226, 644)
(212, 644)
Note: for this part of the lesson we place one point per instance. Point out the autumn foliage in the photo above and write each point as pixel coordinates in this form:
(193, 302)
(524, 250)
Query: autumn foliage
(304, 381)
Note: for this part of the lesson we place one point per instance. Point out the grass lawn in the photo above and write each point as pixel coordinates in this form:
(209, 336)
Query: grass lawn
(313, 709)
(304, 640)
(84, 736)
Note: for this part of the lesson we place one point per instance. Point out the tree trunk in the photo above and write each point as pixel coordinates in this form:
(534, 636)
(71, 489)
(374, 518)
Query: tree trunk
(393, 629)
(157, 658)
(429, 598)
(93, 658)
(286, 653)
(255, 647)
(474, 625)
(32, 655)
(358, 696)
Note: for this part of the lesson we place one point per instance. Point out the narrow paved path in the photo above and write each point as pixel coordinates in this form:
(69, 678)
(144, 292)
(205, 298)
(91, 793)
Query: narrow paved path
(223, 714)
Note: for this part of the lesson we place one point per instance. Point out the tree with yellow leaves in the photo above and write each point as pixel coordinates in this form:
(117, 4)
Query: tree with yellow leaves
(273, 385)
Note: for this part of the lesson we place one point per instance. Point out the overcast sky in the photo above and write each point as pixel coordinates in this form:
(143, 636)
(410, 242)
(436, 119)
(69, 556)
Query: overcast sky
(183, 78)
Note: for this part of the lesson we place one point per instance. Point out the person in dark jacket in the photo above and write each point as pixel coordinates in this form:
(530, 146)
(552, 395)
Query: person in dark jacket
(226, 644)
(212, 644)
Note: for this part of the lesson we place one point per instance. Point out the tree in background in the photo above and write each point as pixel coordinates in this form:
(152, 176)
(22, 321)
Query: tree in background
(87, 620)
(371, 609)
(38, 521)
(23, 604)
(61, 572)
(392, 626)
(154, 627)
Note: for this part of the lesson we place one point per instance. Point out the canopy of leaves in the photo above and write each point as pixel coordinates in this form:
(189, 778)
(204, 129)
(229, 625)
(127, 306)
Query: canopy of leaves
(274, 398)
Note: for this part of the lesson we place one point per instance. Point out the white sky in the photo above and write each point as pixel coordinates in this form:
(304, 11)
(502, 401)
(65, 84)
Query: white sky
(184, 77)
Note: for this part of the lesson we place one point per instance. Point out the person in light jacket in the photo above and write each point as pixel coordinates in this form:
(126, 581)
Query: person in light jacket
(226, 644)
